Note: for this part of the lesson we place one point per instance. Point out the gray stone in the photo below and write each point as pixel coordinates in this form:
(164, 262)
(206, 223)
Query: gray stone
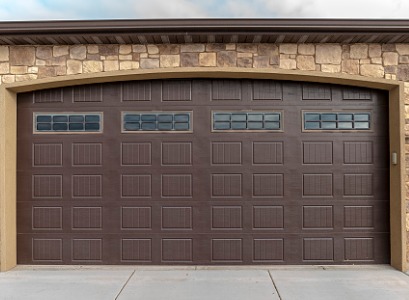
(78, 52)
(169, 49)
(149, 63)
(403, 72)
(328, 54)
(22, 56)
(107, 50)
(189, 59)
(245, 62)
(226, 58)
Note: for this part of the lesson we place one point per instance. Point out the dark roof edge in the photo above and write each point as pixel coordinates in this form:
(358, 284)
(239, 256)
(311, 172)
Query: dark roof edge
(205, 25)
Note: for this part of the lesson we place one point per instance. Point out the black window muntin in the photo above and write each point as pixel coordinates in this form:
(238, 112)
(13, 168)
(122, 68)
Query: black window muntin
(157, 121)
(336, 121)
(246, 121)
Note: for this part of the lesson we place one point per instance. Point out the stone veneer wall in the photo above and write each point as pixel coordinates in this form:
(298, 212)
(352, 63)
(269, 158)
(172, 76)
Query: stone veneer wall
(389, 61)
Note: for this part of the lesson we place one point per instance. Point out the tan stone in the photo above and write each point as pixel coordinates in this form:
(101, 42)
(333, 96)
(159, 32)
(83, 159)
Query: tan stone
(4, 68)
(305, 62)
(26, 77)
(60, 51)
(365, 61)
(18, 70)
(306, 49)
(375, 50)
(93, 49)
(143, 55)
(74, 67)
(274, 60)
(169, 61)
(8, 78)
(4, 53)
(328, 54)
(358, 51)
(407, 222)
(226, 58)
(61, 70)
(153, 55)
(244, 55)
(288, 48)
(111, 65)
(95, 57)
(192, 48)
(372, 71)
(78, 52)
(149, 63)
(350, 66)
(46, 71)
(230, 47)
(207, 59)
(22, 56)
(246, 48)
(261, 62)
(390, 58)
(403, 72)
(139, 48)
(267, 49)
(403, 49)
(125, 57)
(244, 62)
(57, 61)
(40, 62)
(331, 68)
(376, 60)
(125, 49)
(128, 65)
(92, 66)
(189, 59)
(288, 64)
(44, 52)
(215, 47)
(153, 49)
(404, 59)
(171, 49)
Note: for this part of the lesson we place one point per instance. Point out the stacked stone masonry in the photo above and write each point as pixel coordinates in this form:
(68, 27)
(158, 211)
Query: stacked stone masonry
(389, 61)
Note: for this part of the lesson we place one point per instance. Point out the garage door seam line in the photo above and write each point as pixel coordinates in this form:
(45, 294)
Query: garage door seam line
(274, 285)
(125, 284)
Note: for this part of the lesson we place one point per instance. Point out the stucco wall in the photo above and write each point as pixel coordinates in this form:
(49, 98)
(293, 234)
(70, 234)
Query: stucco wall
(389, 61)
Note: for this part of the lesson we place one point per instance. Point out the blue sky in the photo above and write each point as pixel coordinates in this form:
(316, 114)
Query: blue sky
(148, 9)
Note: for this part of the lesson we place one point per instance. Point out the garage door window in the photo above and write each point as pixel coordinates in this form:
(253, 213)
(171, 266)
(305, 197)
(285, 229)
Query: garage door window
(247, 121)
(333, 121)
(72, 123)
(157, 122)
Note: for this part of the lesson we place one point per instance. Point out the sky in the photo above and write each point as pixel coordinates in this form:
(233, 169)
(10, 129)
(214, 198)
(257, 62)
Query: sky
(19, 10)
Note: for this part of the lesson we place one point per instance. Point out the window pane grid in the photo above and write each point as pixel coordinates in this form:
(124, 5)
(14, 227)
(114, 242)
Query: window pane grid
(68, 122)
(337, 121)
(156, 121)
(247, 121)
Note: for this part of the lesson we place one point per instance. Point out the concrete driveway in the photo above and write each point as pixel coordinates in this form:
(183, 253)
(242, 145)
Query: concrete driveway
(197, 283)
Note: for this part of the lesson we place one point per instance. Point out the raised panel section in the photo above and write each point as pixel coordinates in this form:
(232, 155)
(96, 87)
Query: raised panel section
(136, 185)
(227, 250)
(268, 217)
(356, 94)
(225, 217)
(226, 153)
(47, 218)
(268, 250)
(317, 152)
(48, 96)
(47, 186)
(136, 218)
(358, 216)
(177, 250)
(267, 153)
(88, 93)
(317, 217)
(87, 217)
(316, 92)
(267, 90)
(226, 90)
(136, 91)
(358, 185)
(358, 152)
(176, 154)
(226, 185)
(136, 250)
(86, 249)
(87, 154)
(47, 249)
(136, 154)
(177, 185)
(319, 249)
(177, 90)
(317, 185)
(268, 185)
(359, 249)
(87, 185)
(47, 155)
(176, 217)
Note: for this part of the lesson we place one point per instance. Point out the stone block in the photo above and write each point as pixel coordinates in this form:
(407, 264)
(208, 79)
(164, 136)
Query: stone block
(57, 61)
(388, 47)
(305, 62)
(403, 72)
(404, 59)
(189, 59)
(169, 61)
(358, 51)
(8, 78)
(226, 59)
(403, 49)
(93, 49)
(169, 49)
(245, 62)
(111, 65)
(376, 60)
(274, 60)
(207, 59)
(331, 68)
(246, 55)
(4, 68)
(306, 49)
(375, 50)
(26, 77)
(391, 69)
(128, 65)
(390, 58)
(60, 51)
(44, 52)
(18, 70)
(108, 50)
(125, 57)
(61, 70)
(350, 66)
(247, 48)
(74, 67)
(230, 47)
(139, 48)
(153, 49)
(40, 62)
(92, 66)
(288, 64)
(192, 48)
(288, 48)
(149, 63)
(46, 71)
(261, 62)
(328, 54)
(372, 71)
(267, 50)
(78, 52)
(125, 49)
(22, 55)
(215, 47)
(4, 53)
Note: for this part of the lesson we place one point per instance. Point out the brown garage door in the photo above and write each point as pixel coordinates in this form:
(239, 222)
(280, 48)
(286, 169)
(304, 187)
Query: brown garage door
(203, 172)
